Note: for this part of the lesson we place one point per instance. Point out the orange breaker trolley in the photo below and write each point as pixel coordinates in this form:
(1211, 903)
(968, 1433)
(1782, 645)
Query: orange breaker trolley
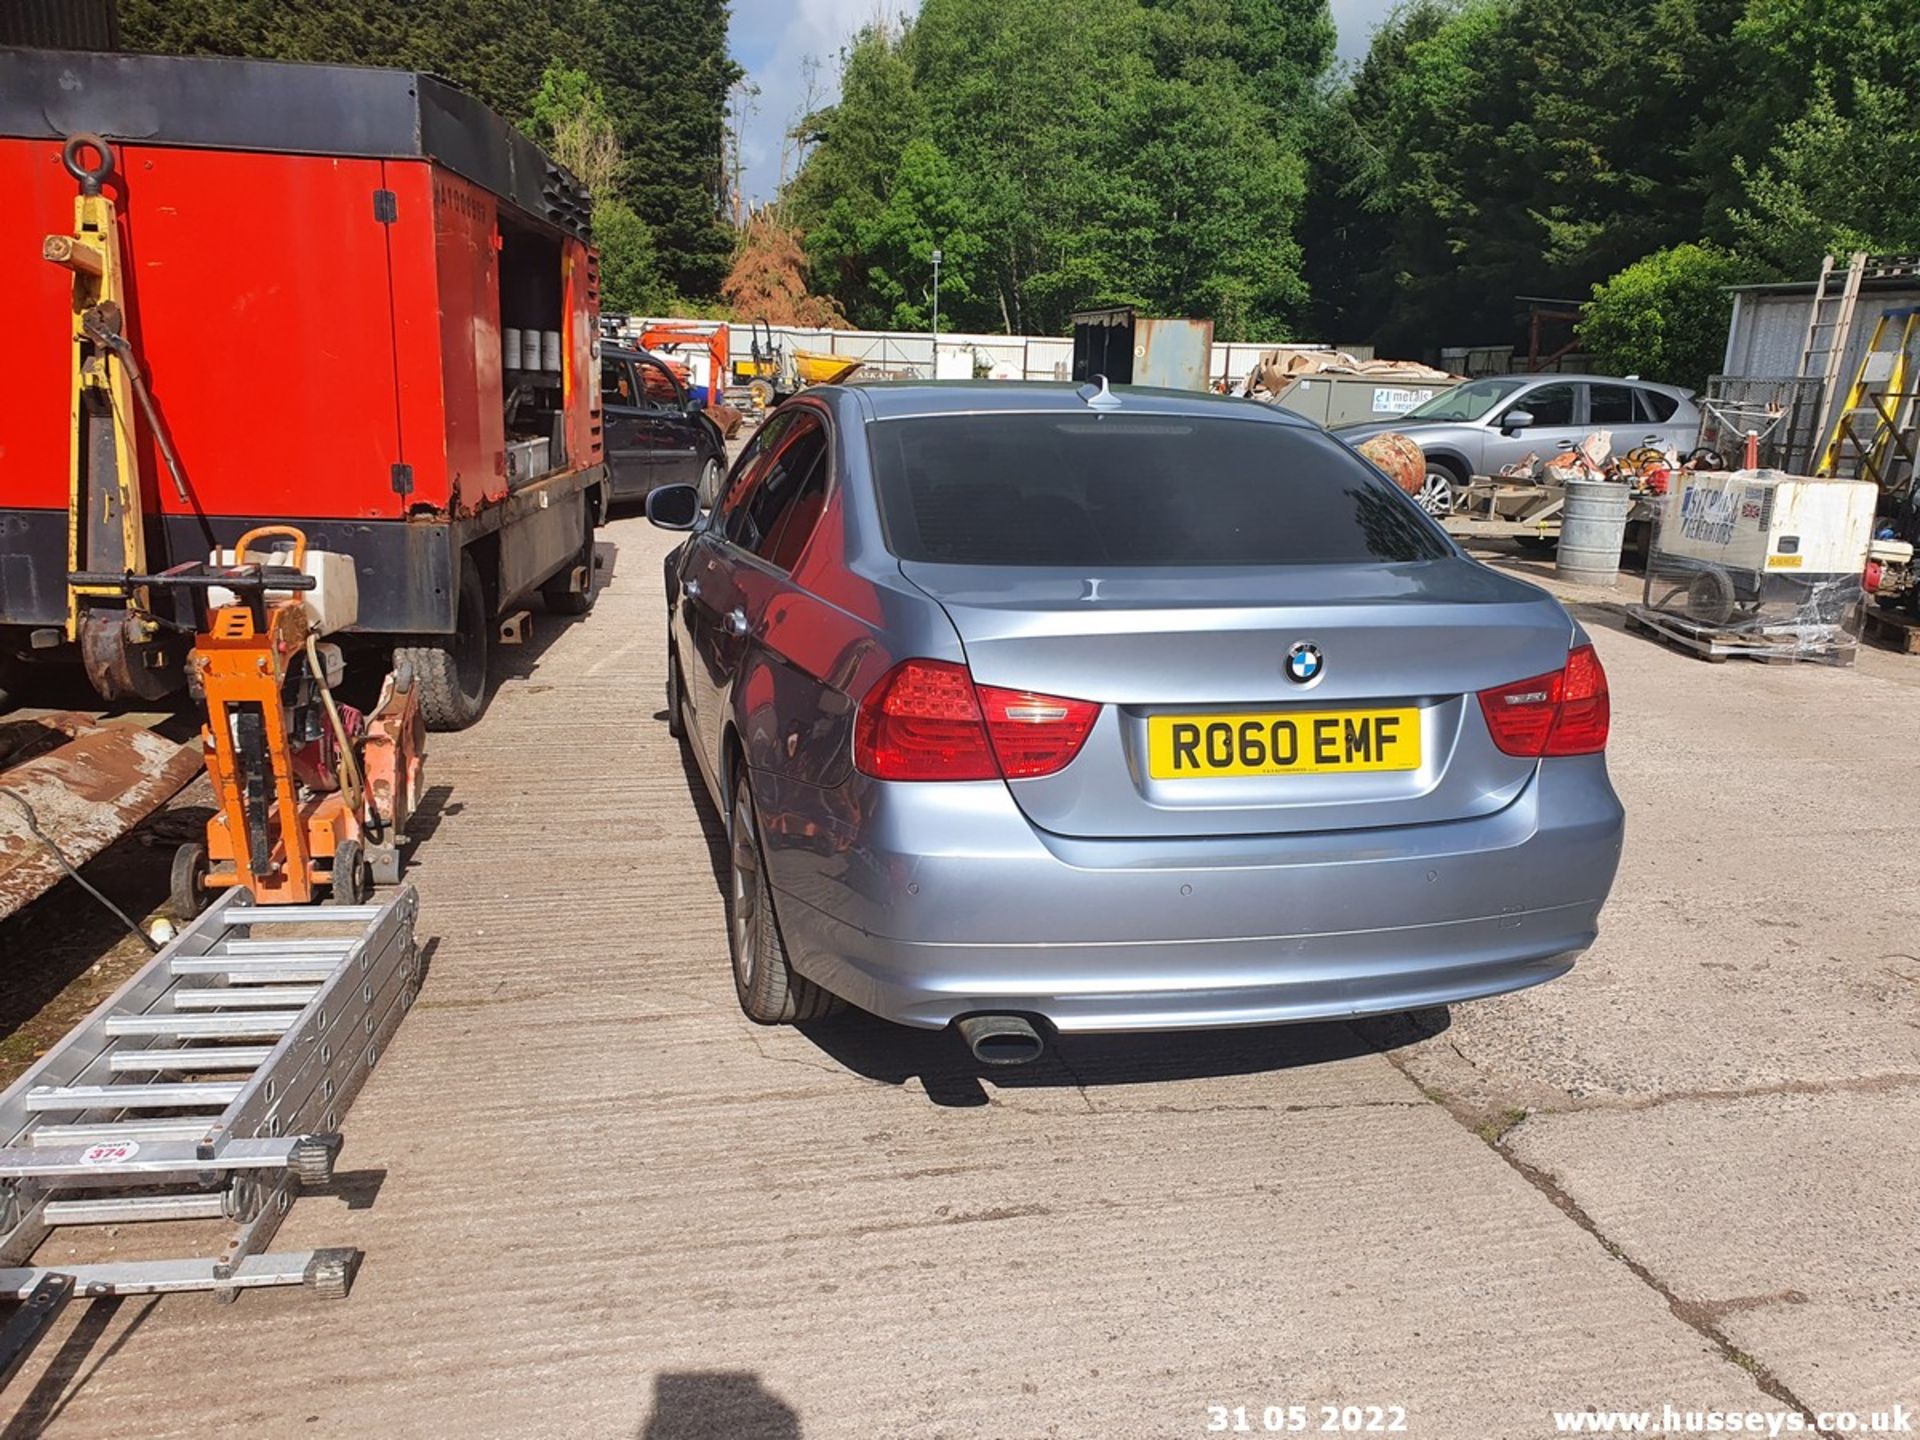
(354, 301)
(311, 791)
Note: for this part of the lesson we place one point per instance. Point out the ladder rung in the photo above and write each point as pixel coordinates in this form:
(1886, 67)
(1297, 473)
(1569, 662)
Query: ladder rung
(139, 1165)
(189, 1059)
(204, 1027)
(162, 1095)
(116, 1209)
(300, 914)
(189, 1127)
(171, 1277)
(251, 997)
(291, 967)
(288, 948)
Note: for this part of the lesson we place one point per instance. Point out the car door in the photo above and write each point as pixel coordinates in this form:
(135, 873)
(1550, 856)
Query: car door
(770, 634)
(1554, 418)
(675, 441)
(707, 587)
(1662, 415)
(749, 535)
(622, 421)
(1616, 409)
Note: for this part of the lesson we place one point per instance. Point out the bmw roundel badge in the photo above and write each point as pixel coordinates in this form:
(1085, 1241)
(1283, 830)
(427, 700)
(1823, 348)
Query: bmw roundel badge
(1304, 663)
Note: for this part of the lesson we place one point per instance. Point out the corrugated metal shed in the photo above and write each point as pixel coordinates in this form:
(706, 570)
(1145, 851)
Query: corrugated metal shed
(1769, 324)
(1764, 350)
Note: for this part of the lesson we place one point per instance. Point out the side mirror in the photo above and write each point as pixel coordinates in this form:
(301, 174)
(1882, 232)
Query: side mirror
(1515, 421)
(674, 507)
(694, 408)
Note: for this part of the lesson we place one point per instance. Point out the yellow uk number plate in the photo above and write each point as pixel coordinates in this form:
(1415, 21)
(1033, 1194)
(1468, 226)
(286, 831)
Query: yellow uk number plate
(1192, 747)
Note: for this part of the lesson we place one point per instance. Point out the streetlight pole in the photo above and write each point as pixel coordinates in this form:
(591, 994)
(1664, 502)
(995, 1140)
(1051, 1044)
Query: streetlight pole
(936, 299)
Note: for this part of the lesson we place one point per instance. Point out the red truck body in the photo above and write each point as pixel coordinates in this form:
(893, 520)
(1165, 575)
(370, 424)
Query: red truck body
(319, 263)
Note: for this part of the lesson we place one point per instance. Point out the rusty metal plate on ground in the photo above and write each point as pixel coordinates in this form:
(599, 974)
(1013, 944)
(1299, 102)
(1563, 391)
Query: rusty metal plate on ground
(88, 783)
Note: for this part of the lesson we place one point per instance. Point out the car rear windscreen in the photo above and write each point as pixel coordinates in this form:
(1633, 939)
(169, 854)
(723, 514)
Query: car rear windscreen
(1103, 491)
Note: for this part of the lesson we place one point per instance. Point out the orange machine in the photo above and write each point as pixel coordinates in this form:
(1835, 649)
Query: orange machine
(311, 792)
(712, 337)
(667, 336)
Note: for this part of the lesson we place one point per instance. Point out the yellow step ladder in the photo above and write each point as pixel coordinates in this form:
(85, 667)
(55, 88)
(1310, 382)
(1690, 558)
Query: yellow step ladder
(1879, 406)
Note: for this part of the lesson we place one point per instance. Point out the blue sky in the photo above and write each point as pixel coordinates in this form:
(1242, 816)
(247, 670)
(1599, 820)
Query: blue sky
(771, 38)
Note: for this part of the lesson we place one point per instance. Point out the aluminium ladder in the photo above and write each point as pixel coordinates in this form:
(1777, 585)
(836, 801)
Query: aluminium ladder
(210, 1086)
(1824, 346)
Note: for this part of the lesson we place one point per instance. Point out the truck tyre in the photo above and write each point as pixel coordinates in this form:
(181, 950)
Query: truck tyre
(771, 991)
(451, 670)
(13, 679)
(558, 592)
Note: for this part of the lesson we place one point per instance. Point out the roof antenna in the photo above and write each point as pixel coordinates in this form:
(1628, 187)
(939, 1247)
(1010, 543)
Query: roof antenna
(1098, 396)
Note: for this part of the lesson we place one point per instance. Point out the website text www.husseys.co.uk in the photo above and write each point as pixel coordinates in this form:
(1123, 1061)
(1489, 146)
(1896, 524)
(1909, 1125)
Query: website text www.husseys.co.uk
(1671, 1420)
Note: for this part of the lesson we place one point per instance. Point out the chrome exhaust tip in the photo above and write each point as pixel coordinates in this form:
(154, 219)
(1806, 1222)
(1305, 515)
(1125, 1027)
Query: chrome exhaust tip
(1001, 1039)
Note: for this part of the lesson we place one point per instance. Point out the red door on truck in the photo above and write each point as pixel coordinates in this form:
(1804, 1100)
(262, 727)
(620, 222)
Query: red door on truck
(260, 303)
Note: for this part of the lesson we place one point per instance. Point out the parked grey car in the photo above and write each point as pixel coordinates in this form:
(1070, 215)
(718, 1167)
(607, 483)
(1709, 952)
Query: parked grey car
(1037, 708)
(1476, 428)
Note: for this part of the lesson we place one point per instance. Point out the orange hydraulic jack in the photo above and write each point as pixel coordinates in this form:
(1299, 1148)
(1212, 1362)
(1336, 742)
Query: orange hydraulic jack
(311, 792)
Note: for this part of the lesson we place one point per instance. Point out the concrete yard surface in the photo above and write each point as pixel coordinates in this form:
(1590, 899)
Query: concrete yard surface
(596, 1201)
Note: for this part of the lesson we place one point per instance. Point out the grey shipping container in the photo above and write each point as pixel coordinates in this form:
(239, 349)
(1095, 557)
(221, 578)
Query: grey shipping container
(1132, 349)
(1350, 399)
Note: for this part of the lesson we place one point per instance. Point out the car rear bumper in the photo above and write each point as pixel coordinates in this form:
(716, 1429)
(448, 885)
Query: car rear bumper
(923, 903)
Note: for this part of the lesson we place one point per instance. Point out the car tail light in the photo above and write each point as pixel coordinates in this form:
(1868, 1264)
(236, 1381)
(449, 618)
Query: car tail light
(927, 720)
(1565, 712)
(1035, 734)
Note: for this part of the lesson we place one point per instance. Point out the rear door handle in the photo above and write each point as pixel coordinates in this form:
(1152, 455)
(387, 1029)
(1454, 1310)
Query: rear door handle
(737, 621)
(692, 587)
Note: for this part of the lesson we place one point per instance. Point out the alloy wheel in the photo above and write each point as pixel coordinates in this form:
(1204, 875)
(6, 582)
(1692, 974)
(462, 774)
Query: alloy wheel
(1436, 494)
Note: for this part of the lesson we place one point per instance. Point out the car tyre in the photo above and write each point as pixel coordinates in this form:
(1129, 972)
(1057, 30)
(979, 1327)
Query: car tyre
(710, 483)
(771, 992)
(452, 669)
(676, 718)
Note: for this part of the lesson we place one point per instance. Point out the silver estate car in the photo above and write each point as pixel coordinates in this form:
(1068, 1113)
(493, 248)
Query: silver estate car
(1038, 708)
(1476, 428)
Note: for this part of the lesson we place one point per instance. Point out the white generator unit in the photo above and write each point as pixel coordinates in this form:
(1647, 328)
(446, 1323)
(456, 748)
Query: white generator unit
(1760, 549)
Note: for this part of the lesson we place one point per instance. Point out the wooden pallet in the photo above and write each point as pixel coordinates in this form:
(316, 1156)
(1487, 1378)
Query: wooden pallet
(1896, 632)
(1718, 646)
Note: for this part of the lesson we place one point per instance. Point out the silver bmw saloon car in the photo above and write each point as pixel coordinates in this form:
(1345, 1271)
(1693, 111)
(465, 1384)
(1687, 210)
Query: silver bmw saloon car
(1038, 708)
